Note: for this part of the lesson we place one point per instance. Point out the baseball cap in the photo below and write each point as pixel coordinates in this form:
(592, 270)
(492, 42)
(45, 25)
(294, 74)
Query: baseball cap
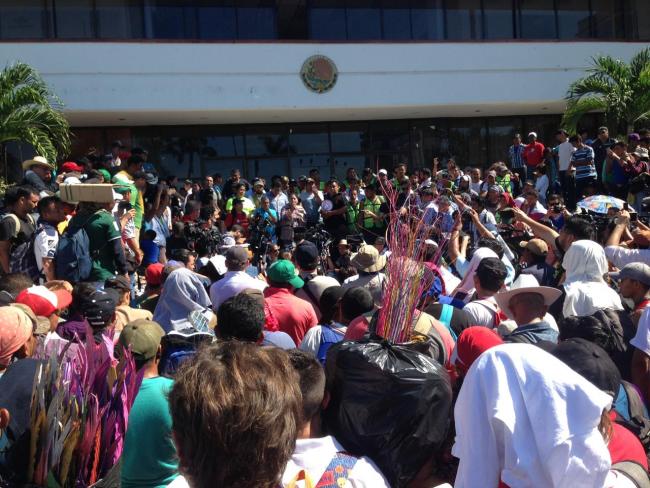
(153, 274)
(44, 302)
(122, 189)
(118, 283)
(537, 246)
(634, 271)
(382, 172)
(70, 167)
(634, 137)
(492, 173)
(237, 254)
(306, 255)
(143, 337)
(534, 134)
(602, 128)
(591, 361)
(99, 307)
(283, 271)
(302, 178)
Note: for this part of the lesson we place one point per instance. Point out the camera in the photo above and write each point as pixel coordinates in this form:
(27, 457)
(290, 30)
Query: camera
(557, 208)
(507, 215)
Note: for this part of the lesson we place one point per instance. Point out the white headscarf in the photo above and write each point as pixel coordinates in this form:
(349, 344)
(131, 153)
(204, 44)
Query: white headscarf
(182, 294)
(586, 291)
(467, 285)
(527, 419)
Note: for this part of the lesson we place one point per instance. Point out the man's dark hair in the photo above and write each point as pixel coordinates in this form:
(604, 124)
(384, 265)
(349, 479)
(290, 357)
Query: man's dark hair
(238, 186)
(575, 138)
(80, 294)
(134, 160)
(491, 273)
(492, 244)
(192, 206)
(371, 187)
(622, 144)
(15, 193)
(312, 383)
(579, 228)
(12, 284)
(232, 403)
(426, 192)
(425, 172)
(241, 317)
(356, 302)
(532, 192)
(206, 212)
(44, 203)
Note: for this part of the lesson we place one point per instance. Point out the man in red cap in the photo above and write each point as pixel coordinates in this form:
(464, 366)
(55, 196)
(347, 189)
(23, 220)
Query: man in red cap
(45, 303)
(154, 276)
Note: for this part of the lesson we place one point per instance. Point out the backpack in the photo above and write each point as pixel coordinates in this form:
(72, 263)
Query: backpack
(499, 315)
(638, 424)
(634, 472)
(329, 337)
(179, 346)
(336, 473)
(74, 261)
(22, 258)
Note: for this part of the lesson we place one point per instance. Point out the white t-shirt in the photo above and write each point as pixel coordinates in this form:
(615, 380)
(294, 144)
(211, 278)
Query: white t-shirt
(564, 153)
(45, 243)
(231, 284)
(541, 185)
(482, 313)
(641, 339)
(314, 336)
(316, 285)
(620, 256)
(476, 187)
(314, 455)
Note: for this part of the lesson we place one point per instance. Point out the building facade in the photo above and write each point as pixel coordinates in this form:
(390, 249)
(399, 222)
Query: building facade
(281, 86)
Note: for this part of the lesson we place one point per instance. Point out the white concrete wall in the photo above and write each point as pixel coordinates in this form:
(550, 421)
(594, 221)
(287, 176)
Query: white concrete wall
(187, 83)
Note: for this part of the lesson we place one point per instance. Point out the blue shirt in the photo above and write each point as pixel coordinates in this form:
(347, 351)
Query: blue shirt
(267, 214)
(582, 155)
(516, 155)
(533, 333)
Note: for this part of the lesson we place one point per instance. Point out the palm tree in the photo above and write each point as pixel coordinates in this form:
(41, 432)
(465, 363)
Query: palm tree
(30, 113)
(620, 90)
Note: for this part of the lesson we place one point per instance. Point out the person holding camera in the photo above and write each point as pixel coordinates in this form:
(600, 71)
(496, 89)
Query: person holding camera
(266, 218)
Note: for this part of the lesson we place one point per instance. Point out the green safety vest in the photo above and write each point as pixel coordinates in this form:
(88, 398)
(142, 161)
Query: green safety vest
(374, 206)
(352, 214)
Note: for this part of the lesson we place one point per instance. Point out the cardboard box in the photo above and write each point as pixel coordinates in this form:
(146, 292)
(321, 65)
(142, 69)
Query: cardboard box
(73, 193)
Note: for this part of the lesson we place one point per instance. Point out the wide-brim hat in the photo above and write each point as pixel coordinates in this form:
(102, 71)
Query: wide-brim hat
(368, 259)
(526, 283)
(37, 161)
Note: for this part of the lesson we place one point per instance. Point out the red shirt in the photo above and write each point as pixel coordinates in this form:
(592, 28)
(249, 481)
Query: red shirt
(240, 219)
(357, 328)
(624, 445)
(295, 316)
(534, 153)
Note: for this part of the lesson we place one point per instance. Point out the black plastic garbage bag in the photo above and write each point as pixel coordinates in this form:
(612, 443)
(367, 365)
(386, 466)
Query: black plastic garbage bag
(388, 402)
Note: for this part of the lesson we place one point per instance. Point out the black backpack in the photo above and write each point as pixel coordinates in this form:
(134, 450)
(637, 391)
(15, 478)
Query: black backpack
(22, 258)
(638, 424)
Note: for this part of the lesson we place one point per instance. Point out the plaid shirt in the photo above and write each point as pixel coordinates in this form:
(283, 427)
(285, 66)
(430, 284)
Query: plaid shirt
(516, 156)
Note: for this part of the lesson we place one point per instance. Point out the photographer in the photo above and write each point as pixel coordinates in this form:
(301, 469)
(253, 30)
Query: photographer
(265, 218)
(635, 249)
(482, 221)
(557, 213)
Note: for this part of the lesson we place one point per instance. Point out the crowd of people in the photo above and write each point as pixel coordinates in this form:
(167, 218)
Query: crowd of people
(253, 311)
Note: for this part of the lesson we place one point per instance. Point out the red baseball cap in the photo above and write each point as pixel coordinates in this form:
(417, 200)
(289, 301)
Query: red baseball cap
(153, 274)
(44, 302)
(70, 167)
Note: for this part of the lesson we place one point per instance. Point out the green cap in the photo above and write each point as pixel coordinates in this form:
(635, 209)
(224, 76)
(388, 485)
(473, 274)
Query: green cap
(283, 271)
(143, 337)
(122, 189)
(105, 174)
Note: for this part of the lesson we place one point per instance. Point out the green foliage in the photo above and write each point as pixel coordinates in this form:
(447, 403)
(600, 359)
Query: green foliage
(30, 113)
(620, 90)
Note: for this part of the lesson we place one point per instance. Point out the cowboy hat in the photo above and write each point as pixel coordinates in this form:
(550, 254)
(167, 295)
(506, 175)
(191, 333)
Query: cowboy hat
(526, 283)
(368, 259)
(37, 160)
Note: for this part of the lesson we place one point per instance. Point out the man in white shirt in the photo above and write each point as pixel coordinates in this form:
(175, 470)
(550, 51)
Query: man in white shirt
(476, 182)
(488, 280)
(564, 152)
(236, 279)
(318, 457)
(46, 237)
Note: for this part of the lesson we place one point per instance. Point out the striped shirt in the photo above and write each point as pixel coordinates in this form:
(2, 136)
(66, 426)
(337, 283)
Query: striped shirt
(585, 153)
(516, 155)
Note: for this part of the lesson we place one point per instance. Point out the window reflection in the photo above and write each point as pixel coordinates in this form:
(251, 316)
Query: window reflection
(501, 132)
(309, 139)
(301, 165)
(608, 19)
(364, 19)
(256, 19)
(265, 143)
(351, 137)
(327, 20)
(427, 19)
(217, 21)
(464, 19)
(498, 19)
(74, 19)
(536, 19)
(573, 18)
(168, 19)
(396, 20)
(26, 19)
(119, 19)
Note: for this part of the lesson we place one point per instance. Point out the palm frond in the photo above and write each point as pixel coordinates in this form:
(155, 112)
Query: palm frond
(640, 63)
(576, 109)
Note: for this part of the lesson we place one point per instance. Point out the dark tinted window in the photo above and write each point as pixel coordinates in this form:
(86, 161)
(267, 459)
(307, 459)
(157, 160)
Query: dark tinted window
(262, 141)
(256, 19)
(389, 136)
(464, 19)
(574, 20)
(364, 20)
(119, 19)
(309, 139)
(26, 19)
(217, 21)
(427, 19)
(498, 19)
(74, 19)
(501, 131)
(352, 137)
(536, 19)
(327, 20)
(169, 19)
(608, 19)
(396, 20)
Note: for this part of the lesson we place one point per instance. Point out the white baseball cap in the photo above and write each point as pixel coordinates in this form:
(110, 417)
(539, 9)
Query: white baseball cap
(382, 172)
(534, 134)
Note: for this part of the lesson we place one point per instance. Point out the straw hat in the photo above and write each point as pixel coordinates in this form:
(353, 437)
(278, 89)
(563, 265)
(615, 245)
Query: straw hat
(526, 283)
(37, 161)
(368, 259)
